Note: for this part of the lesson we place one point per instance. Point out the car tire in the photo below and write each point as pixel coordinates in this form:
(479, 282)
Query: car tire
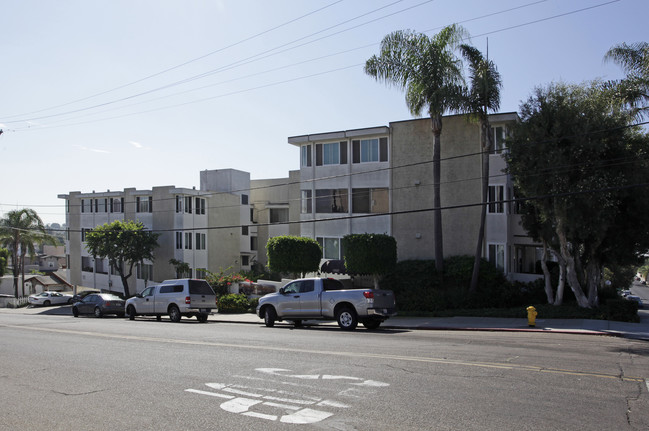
(46, 303)
(269, 317)
(75, 311)
(70, 301)
(131, 312)
(174, 314)
(98, 312)
(347, 318)
(202, 318)
(372, 323)
(297, 323)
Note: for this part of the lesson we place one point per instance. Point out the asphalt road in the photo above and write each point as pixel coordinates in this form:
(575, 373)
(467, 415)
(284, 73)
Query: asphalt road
(62, 373)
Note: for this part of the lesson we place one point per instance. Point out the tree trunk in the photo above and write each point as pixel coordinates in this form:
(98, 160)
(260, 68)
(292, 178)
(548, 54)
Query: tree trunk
(594, 276)
(571, 272)
(485, 144)
(546, 275)
(22, 270)
(437, 202)
(558, 299)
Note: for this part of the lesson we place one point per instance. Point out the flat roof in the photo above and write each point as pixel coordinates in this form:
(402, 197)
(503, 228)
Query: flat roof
(343, 134)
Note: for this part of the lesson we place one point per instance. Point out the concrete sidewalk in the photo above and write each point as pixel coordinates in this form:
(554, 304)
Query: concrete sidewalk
(572, 326)
(638, 331)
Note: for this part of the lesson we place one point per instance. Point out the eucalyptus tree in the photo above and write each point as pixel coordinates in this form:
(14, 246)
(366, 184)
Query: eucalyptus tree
(430, 72)
(19, 231)
(579, 164)
(482, 96)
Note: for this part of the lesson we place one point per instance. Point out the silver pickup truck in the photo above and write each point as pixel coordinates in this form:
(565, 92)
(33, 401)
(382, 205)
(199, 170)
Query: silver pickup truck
(327, 299)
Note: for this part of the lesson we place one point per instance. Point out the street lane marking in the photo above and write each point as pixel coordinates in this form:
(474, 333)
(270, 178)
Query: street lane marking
(504, 366)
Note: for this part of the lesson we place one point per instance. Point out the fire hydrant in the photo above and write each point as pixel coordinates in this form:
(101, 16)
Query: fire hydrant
(531, 316)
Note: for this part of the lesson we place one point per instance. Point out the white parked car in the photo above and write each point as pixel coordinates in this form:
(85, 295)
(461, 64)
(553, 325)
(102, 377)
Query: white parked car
(50, 298)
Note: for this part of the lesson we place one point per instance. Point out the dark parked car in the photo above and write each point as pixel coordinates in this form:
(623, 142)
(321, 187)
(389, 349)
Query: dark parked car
(99, 304)
(79, 296)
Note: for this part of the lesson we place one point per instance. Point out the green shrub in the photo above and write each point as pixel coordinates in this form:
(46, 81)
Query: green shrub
(622, 310)
(233, 303)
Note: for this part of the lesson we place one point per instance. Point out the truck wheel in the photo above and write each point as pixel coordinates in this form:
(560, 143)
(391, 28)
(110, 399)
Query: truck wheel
(372, 323)
(270, 316)
(131, 312)
(202, 318)
(347, 319)
(174, 314)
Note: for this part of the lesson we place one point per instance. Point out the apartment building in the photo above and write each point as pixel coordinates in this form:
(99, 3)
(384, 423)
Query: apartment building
(369, 180)
(209, 228)
(379, 180)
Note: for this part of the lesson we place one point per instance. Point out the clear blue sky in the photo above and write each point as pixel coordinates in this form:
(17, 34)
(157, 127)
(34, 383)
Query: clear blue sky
(109, 94)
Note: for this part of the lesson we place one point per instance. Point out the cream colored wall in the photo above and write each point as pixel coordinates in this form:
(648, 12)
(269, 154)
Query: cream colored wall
(412, 146)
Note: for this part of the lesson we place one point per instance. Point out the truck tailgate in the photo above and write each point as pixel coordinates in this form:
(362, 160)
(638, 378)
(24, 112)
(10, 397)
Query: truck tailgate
(383, 299)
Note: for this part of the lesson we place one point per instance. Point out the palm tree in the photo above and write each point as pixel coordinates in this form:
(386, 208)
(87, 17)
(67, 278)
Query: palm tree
(431, 75)
(483, 96)
(634, 89)
(19, 231)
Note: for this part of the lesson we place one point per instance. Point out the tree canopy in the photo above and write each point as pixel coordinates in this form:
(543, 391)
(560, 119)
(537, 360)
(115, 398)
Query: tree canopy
(124, 243)
(19, 231)
(293, 254)
(373, 254)
(577, 161)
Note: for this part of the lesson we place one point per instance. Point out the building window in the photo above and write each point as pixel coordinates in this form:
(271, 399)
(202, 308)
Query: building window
(252, 215)
(495, 199)
(101, 267)
(179, 240)
(244, 199)
(370, 150)
(497, 255)
(67, 205)
(244, 230)
(188, 204)
(83, 205)
(188, 240)
(306, 205)
(200, 206)
(201, 273)
(245, 260)
(305, 151)
(253, 243)
(334, 153)
(370, 200)
(179, 204)
(279, 215)
(145, 271)
(117, 205)
(96, 206)
(144, 204)
(330, 247)
(331, 201)
(200, 241)
(84, 231)
(86, 263)
(499, 134)
(527, 259)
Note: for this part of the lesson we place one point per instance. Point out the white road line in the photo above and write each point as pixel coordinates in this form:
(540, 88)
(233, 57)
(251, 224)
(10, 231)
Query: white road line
(305, 416)
(212, 394)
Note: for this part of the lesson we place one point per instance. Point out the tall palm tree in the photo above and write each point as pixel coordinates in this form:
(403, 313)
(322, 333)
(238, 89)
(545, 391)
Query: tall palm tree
(19, 231)
(483, 96)
(431, 75)
(634, 89)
